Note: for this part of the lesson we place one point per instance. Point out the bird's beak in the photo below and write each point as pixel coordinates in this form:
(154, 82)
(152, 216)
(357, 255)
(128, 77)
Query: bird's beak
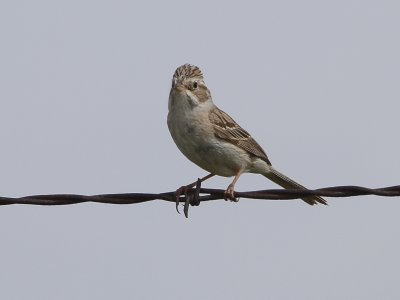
(178, 87)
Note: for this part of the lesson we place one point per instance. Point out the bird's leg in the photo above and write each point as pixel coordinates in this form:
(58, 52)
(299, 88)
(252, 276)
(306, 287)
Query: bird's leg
(229, 193)
(185, 188)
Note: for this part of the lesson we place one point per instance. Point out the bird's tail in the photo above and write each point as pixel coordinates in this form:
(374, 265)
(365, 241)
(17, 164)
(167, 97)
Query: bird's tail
(288, 183)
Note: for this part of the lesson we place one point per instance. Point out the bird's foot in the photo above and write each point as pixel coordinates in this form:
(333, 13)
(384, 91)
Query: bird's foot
(191, 196)
(230, 194)
(183, 190)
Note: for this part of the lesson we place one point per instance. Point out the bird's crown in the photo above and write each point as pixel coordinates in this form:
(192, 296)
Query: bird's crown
(187, 71)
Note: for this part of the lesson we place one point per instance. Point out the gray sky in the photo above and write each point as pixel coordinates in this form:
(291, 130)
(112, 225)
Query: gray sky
(84, 91)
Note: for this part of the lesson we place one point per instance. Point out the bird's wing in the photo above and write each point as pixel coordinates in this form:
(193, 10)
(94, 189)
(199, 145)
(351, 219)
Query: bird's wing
(227, 129)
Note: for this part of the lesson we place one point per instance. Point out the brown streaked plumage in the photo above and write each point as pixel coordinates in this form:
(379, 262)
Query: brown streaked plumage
(187, 71)
(227, 129)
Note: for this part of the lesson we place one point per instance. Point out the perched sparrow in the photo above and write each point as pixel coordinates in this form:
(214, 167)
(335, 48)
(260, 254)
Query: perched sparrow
(212, 140)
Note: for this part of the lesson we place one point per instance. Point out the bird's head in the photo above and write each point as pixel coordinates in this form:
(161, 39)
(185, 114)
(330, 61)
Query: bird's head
(188, 85)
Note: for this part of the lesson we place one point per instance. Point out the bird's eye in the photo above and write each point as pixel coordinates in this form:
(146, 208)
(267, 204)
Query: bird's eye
(195, 84)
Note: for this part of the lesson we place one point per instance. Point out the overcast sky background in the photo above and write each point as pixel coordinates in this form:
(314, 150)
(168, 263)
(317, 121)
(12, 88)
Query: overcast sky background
(84, 91)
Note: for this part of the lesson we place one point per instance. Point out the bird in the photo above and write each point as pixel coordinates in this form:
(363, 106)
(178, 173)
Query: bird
(212, 140)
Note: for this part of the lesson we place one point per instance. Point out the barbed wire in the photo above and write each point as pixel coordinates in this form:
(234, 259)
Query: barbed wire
(196, 195)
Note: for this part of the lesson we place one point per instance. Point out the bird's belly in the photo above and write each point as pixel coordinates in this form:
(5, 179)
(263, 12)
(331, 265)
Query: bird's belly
(200, 146)
(219, 158)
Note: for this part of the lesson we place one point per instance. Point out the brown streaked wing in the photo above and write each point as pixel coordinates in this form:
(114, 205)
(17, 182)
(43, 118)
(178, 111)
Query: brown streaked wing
(227, 129)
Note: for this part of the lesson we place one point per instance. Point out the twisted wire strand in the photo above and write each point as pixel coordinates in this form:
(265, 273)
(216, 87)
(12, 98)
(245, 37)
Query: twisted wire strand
(204, 195)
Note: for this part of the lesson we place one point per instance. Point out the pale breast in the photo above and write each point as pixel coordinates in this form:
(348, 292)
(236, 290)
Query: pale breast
(193, 134)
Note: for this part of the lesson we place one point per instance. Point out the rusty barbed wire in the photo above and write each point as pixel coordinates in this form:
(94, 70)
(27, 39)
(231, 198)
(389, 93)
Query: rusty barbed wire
(197, 195)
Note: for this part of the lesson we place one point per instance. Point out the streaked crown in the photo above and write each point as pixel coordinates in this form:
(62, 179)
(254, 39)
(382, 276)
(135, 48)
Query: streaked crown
(186, 71)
